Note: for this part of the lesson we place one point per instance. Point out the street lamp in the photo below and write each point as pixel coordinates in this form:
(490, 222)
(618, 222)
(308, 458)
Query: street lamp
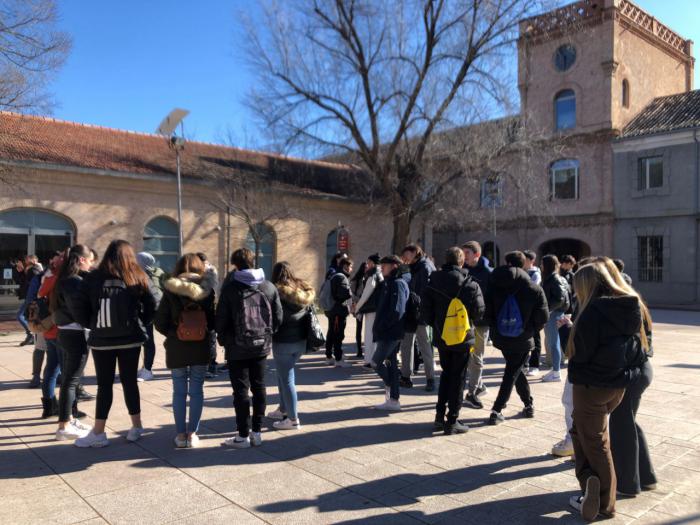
(167, 129)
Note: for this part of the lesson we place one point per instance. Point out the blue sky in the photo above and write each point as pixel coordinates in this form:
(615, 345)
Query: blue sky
(132, 61)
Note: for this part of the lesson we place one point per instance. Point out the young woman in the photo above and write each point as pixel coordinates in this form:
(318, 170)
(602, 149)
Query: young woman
(357, 284)
(53, 350)
(71, 338)
(116, 303)
(289, 343)
(556, 290)
(607, 348)
(191, 290)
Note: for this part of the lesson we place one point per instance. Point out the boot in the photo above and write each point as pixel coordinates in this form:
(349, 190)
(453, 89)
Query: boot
(77, 414)
(82, 394)
(35, 382)
(46, 405)
(37, 362)
(29, 340)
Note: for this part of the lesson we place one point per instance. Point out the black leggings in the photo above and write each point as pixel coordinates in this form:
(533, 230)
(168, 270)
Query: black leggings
(105, 366)
(248, 375)
(75, 354)
(513, 375)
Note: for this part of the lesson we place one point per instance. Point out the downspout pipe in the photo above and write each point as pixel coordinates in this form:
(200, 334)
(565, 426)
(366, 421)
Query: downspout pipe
(697, 215)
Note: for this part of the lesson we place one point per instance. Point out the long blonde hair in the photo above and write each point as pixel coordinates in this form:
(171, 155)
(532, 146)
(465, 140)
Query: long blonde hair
(599, 278)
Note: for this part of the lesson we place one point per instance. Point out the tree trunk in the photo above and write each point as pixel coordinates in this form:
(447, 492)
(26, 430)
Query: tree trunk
(402, 230)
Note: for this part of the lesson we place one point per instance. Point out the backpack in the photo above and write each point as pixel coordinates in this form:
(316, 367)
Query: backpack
(326, 300)
(39, 317)
(509, 322)
(117, 311)
(192, 323)
(253, 320)
(456, 325)
(412, 315)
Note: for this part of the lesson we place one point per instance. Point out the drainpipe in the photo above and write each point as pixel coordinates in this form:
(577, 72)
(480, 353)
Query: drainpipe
(697, 214)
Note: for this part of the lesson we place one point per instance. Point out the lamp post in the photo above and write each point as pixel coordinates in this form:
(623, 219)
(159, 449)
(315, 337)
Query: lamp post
(167, 129)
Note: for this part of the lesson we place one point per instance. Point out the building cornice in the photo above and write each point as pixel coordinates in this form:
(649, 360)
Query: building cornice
(658, 140)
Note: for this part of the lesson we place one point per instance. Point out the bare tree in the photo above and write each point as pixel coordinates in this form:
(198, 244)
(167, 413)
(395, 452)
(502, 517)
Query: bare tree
(32, 49)
(376, 81)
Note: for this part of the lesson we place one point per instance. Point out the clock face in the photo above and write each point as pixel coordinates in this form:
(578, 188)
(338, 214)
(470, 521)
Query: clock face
(565, 57)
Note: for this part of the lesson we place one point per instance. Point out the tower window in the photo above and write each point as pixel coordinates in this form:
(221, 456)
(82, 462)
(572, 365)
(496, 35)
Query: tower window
(625, 93)
(564, 179)
(565, 57)
(565, 110)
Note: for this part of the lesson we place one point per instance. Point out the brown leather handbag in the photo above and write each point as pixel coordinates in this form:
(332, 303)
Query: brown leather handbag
(192, 324)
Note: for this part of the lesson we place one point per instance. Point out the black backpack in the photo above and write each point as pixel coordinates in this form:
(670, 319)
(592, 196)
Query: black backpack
(252, 321)
(117, 311)
(412, 316)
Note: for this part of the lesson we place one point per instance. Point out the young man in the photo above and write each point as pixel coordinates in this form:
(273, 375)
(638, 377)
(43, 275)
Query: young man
(366, 307)
(451, 282)
(480, 273)
(533, 366)
(421, 267)
(388, 330)
(566, 268)
(516, 309)
(338, 315)
(248, 313)
(155, 277)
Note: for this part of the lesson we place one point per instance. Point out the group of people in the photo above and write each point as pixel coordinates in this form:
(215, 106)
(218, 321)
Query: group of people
(404, 305)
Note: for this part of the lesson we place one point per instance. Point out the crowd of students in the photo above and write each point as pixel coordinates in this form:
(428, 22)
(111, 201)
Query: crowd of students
(405, 306)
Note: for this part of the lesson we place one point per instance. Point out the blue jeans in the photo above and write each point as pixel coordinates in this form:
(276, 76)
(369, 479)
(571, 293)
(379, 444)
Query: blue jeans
(286, 355)
(551, 338)
(21, 319)
(188, 380)
(386, 352)
(51, 369)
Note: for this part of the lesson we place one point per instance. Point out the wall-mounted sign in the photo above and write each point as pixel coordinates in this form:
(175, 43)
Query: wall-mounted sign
(343, 240)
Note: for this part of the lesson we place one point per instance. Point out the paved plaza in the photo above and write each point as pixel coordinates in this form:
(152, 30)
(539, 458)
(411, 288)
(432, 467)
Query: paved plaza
(350, 464)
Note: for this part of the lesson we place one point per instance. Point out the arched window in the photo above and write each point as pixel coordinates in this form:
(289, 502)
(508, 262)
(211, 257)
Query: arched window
(565, 110)
(564, 179)
(625, 93)
(261, 240)
(161, 239)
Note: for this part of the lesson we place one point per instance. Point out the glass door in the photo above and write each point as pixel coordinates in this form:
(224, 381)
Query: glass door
(13, 246)
(46, 244)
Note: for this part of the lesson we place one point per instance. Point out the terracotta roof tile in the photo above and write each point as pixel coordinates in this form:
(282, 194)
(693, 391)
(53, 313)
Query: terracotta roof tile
(666, 114)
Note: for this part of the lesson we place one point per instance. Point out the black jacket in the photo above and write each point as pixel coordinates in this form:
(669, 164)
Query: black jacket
(87, 308)
(391, 308)
(420, 275)
(230, 304)
(481, 274)
(608, 352)
(178, 293)
(557, 292)
(531, 301)
(341, 293)
(25, 278)
(296, 303)
(444, 286)
(372, 282)
(68, 296)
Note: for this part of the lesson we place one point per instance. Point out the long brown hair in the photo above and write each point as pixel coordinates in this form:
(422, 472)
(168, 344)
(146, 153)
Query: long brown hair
(595, 280)
(282, 275)
(120, 261)
(70, 266)
(189, 263)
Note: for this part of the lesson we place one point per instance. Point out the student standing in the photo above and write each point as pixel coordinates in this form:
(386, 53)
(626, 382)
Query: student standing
(556, 290)
(366, 307)
(337, 316)
(185, 317)
(117, 303)
(248, 314)
(53, 349)
(156, 276)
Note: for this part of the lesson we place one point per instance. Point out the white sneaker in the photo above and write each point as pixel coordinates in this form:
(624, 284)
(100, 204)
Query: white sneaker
(342, 364)
(564, 448)
(390, 405)
(134, 434)
(144, 375)
(70, 432)
(552, 377)
(256, 439)
(533, 372)
(180, 443)
(330, 362)
(92, 440)
(277, 414)
(77, 424)
(193, 441)
(236, 442)
(387, 393)
(287, 424)
(575, 502)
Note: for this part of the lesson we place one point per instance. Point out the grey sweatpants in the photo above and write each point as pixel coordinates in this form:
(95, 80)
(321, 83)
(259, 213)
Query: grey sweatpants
(426, 350)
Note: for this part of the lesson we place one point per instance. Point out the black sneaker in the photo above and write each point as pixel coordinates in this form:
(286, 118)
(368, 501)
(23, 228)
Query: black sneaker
(529, 411)
(35, 382)
(430, 385)
(456, 428)
(472, 401)
(29, 340)
(439, 423)
(223, 367)
(82, 394)
(496, 418)
(405, 382)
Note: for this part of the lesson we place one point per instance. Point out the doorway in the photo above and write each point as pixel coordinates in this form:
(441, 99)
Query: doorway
(561, 247)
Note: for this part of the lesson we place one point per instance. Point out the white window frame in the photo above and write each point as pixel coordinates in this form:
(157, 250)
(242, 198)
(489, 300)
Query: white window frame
(648, 272)
(562, 165)
(562, 96)
(644, 172)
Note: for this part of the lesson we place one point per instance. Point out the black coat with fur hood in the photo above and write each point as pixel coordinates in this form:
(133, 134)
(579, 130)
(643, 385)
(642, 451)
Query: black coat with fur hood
(179, 292)
(296, 302)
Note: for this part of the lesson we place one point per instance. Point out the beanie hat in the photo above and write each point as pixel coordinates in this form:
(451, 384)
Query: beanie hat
(374, 258)
(145, 260)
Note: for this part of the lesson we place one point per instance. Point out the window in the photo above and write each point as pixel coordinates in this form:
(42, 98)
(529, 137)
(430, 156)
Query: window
(564, 179)
(262, 242)
(625, 93)
(651, 173)
(651, 258)
(161, 238)
(565, 110)
(492, 193)
(565, 57)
